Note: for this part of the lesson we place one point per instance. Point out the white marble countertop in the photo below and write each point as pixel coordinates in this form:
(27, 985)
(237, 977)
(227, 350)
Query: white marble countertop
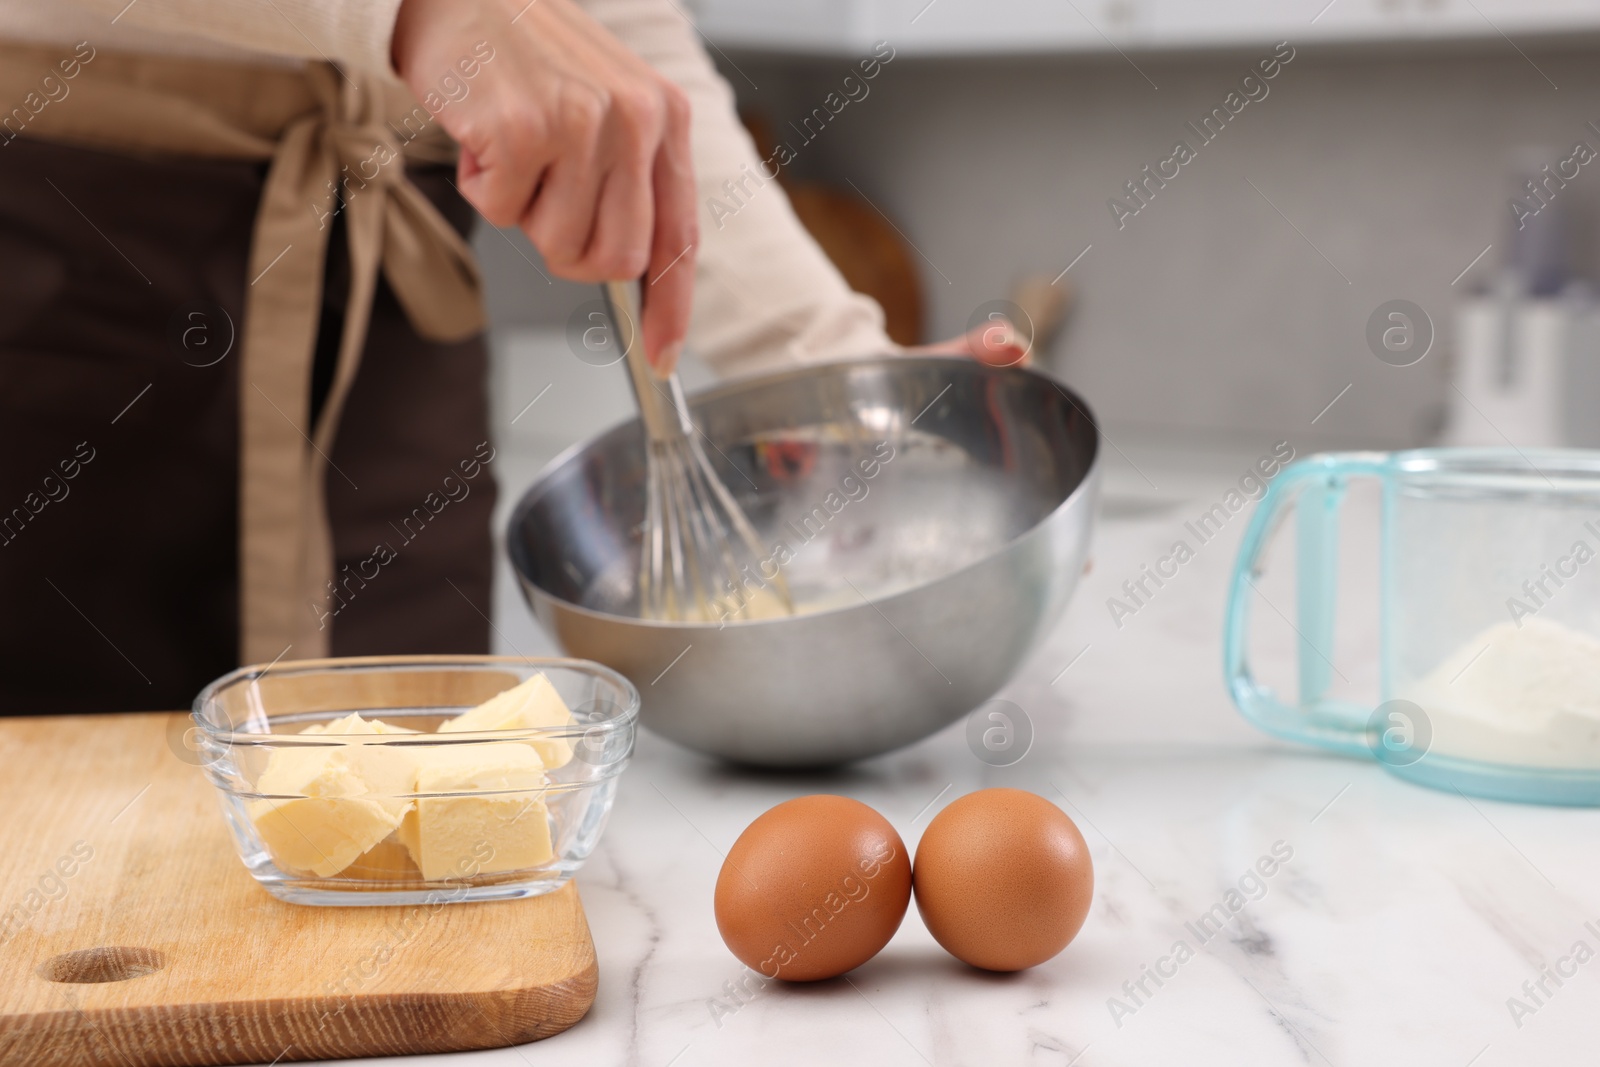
(1396, 931)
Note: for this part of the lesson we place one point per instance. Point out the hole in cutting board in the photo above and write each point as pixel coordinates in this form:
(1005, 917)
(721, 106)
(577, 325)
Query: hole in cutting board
(116, 963)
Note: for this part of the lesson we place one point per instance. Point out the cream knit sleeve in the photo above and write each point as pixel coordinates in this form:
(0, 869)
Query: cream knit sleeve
(766, 296)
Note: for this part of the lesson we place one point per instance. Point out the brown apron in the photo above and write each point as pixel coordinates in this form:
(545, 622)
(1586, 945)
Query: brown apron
(241, 418)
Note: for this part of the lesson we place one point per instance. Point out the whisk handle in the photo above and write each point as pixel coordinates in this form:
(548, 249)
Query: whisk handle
(662, 407)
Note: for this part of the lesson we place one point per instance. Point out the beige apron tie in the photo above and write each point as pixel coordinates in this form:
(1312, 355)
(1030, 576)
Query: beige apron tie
(286, 554)
(317, 126)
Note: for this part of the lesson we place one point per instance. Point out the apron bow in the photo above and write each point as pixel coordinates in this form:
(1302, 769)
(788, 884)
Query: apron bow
(340, 161)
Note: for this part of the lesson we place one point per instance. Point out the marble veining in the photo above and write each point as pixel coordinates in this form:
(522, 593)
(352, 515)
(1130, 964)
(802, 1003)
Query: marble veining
(1397, 925)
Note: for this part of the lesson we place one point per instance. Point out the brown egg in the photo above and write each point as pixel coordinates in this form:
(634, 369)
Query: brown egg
(813, 888)
(1003, 879)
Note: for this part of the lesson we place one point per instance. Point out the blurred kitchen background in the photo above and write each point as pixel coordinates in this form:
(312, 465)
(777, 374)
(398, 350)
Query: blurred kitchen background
(1251, 300)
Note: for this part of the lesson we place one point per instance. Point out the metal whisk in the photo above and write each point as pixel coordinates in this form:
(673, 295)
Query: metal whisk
(700, 558)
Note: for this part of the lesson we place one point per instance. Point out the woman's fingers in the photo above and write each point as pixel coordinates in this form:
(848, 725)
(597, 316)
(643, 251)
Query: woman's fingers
(568, 134)
(619, 247)
(998, 344)
(995, 342)
(503, 160)
(675, 242)
(561, 219)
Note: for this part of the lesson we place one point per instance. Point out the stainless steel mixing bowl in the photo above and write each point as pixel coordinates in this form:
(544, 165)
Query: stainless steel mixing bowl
(935, 512)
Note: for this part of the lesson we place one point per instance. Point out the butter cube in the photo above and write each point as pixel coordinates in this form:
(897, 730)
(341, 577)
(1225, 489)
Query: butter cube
(339, 800)
(387, 770)
(534, 703)
(323, 835)
(327, 820)
(459, 836)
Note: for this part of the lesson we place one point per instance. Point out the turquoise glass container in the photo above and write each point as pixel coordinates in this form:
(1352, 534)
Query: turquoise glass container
(1489, 642)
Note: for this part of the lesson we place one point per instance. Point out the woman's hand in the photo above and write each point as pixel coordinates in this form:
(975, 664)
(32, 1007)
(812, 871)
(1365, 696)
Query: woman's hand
(996, 343)
(568, 135)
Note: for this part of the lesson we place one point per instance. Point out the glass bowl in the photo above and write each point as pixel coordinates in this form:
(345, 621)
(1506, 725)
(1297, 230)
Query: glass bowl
(331, 810)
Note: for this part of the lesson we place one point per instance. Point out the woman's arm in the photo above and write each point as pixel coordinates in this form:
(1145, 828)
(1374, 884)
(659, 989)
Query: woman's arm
(574, 138)
(766, 295)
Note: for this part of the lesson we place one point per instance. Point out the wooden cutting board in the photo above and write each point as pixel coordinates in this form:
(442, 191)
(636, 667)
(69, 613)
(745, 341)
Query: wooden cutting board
(130, 933)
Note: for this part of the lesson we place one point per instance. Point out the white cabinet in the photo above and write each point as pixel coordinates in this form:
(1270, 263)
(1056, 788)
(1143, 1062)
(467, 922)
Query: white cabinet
(1378, 19)
(959, 27)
